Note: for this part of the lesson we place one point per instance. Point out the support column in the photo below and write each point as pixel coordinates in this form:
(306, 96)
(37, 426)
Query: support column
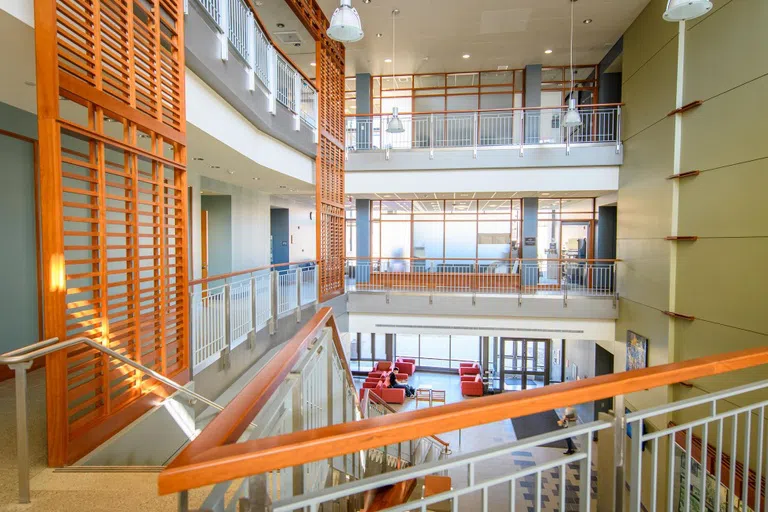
(363, 227)
(528, 275)
(532, 98)
(363, 90)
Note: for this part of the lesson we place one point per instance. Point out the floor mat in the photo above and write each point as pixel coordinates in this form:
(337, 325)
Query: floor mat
(537, 424)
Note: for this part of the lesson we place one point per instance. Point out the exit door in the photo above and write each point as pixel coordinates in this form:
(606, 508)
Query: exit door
(525, 363)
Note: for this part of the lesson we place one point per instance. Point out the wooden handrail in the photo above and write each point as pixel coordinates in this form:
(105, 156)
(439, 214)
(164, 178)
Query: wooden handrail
(380, 401)
(229, 424)
(240, 460)
(484, 110)
(248, 271)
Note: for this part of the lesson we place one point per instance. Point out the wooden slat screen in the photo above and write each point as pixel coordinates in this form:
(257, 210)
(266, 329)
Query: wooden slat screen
(330, 168)
(113, 189)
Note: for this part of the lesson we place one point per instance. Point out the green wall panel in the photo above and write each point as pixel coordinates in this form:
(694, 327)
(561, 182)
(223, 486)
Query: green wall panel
(724, 280)
(726, 202)
(734, 38)
(727, 129)
(645, 37)
(643, 274)
(645, 195)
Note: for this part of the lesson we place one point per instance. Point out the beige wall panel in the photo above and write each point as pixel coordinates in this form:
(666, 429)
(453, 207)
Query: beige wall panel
(733, 39)
(643, 274)
(653, 325)
(646, 36)
(645, 195)
(727, 129)
(724, 280)
(726, 202)
(650, 93)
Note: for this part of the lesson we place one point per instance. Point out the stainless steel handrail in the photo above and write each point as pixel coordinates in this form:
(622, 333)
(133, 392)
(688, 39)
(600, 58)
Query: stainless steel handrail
(20, 360)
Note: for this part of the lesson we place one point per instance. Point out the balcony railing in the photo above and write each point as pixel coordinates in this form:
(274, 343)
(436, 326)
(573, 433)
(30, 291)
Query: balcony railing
(228, 310)
(485, 129)
(511, 277)
(667, 457)
(281, 80)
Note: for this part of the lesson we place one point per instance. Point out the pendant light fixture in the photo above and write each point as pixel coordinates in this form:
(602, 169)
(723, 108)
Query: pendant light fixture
(682, 10)
(395, 125)
(572, 117)
(345, 24)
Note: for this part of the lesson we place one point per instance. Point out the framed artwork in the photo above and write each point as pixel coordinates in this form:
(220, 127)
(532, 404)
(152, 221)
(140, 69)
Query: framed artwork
(637, 351)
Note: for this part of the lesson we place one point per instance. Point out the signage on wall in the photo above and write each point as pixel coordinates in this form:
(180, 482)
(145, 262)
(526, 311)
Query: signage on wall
(530, 240)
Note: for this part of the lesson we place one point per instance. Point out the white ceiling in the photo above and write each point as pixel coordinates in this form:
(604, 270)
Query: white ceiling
(495, 33)
(480, 195)
(274, 12)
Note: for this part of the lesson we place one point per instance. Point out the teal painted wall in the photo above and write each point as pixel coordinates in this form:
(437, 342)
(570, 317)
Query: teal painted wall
(18, 261)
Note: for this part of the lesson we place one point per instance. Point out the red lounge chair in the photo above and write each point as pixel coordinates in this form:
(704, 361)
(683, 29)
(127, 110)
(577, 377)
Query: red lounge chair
(406, 365)
(469, 369)
(472, 385)
(389, 395)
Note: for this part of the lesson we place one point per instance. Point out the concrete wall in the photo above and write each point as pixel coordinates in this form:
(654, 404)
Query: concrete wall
(18, 262)
(724, 206)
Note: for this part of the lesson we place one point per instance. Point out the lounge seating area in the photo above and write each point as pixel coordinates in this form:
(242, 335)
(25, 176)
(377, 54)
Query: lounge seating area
(471, 379)
(378, 379)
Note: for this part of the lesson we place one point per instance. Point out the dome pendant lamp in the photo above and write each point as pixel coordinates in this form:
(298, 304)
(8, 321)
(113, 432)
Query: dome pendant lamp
(345, 24)
(682, 10)
(395, 125)
(572, 118)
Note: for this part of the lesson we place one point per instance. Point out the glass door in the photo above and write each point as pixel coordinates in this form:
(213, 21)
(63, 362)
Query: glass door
(526, 363)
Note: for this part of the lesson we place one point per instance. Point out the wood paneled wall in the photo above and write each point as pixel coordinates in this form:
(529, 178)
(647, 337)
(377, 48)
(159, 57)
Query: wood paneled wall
(110, 85)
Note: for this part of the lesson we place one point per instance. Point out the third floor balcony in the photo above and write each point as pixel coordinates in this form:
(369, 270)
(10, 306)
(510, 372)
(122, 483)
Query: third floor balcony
(489, 138)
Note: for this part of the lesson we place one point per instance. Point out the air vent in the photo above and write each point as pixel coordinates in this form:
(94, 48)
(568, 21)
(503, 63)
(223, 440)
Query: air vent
(288, 37)
(502, 68)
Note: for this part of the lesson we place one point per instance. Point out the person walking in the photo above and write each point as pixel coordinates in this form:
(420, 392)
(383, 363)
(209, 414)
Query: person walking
(569, 417)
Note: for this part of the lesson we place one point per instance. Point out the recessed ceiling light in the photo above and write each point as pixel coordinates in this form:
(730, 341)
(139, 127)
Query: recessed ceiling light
(230, 172)
(255, 178)
(587, 21)
(379, 35)
(366, 1)
(313, 64)
(547, 51)
(198, 158)
(388, 61)
(281, 25)
(466, 56)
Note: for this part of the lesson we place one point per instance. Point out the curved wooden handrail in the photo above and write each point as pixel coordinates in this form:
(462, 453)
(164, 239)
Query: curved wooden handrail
(233, 461)
(485, 110)
(248, 271)
(380, 401)
(229, 424)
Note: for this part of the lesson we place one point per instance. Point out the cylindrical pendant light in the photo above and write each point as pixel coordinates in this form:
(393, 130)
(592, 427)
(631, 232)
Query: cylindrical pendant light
(395, 125)
(682, 10)
(572, 117)
(345, 24)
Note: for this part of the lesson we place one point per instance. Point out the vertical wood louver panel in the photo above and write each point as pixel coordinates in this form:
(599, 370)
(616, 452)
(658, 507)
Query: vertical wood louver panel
(113, 189)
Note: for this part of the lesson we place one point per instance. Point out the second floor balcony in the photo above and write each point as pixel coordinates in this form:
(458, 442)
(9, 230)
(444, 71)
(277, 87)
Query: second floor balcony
(537, 135)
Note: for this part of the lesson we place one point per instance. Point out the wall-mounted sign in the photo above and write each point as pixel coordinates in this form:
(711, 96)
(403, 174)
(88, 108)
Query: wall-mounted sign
(530, 240)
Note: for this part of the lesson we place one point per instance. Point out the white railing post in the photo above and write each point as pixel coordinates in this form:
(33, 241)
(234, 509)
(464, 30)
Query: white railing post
(273, 297)
(618, 129)
(475, 132)
(254, 313)
(224, 359)
(296, 100)
(299, 276)
(186, 7)
(522, 133)
(224, 35)
(251, 44)
(431, 136)
(272, 74)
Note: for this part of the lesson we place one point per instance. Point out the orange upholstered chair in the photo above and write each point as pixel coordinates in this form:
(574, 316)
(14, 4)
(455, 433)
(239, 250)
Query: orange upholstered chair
(472, 385)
